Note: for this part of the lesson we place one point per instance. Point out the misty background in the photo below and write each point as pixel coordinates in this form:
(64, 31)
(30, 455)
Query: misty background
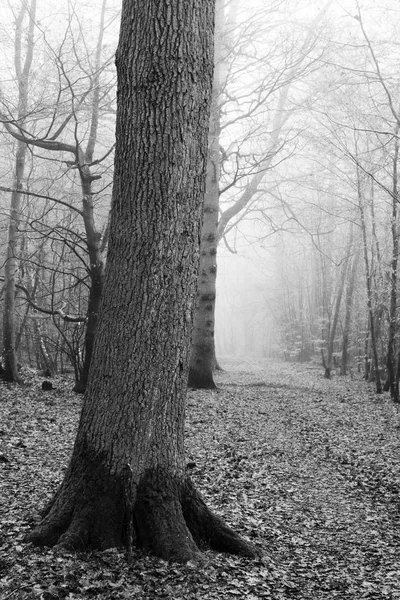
(309, 131)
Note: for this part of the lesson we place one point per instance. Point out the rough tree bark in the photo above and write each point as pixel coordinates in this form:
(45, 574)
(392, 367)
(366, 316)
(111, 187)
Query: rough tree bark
(127, 469)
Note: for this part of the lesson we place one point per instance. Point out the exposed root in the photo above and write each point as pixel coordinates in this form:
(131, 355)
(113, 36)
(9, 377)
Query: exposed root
(45, 534)
(76, 537)
(169, 518)
(162, 531)
(160, 524)
(208, 528)
(53, 524)
(83, 514)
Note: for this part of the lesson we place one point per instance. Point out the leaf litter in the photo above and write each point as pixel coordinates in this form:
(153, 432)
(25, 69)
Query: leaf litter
(307, 468)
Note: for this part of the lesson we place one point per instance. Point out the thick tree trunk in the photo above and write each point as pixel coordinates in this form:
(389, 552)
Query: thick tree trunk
(127, 472)
(202, 356)
(203, 359)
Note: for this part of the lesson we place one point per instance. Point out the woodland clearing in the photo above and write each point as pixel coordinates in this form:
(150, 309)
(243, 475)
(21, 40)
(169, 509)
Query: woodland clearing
(307, 468)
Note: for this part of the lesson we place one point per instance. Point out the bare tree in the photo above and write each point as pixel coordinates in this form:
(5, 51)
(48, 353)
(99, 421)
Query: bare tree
(274, 83)
(127, 470)
(84, 94)
(203, 346)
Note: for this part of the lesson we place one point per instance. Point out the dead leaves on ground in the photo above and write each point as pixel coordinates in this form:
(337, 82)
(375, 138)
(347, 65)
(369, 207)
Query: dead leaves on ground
(305, 467)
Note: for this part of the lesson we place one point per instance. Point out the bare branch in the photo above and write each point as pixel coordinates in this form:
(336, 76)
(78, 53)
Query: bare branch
(60, 312)
(21, 191)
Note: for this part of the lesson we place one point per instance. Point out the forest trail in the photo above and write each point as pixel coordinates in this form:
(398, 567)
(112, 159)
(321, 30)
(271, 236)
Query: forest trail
(318, 462)
(308, 468)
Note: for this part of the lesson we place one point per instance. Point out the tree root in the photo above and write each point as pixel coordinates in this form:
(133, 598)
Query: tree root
(169, 520)
(162, 530)
(208, 528)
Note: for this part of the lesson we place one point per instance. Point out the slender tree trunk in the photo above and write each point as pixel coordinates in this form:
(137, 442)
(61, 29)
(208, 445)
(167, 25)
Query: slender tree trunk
(32, 288)
(367, 361)
(22, 71)
(335, 319)
(344, 365)
(127, 474)
(333, 327)
(82, 160)
(378, 383)
(96, 271)
(10, 372)
(93, 238)
(46, 362)
(392, 351)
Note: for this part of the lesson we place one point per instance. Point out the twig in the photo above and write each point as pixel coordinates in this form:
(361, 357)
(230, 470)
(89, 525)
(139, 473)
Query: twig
(17, 589)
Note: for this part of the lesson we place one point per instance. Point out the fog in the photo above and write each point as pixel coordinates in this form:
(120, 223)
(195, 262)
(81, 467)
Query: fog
(285, 267)
(309, 131)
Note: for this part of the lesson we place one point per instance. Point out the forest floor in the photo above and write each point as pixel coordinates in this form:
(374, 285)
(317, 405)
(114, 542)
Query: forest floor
(305, 467)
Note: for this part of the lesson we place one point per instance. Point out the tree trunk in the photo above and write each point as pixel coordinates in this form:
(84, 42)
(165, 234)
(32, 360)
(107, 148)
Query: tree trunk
(93, 238)
(10, 372)
(127, 471)
(82, 160)
(347, 319)
(22, 72)
(96, 271)
(327, 369)
(335, 319)
(392, 359)
(368, 277)
(202, 356)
